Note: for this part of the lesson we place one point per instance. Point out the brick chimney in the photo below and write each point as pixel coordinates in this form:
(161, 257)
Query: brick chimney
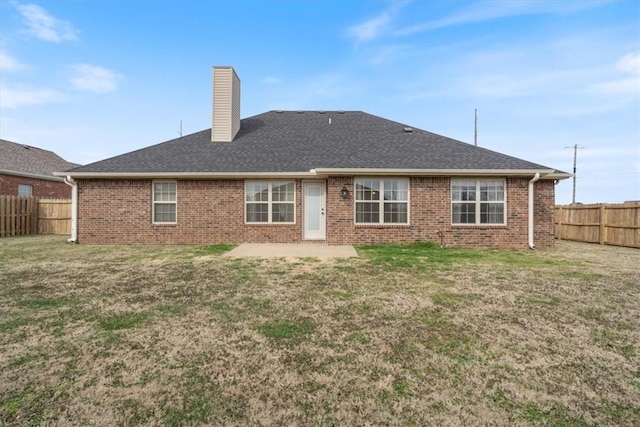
(226, 104)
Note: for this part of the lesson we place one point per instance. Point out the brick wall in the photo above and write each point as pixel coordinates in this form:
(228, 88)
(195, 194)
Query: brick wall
(430, 217)
(212, 211)
(208, 212)
(40, 187)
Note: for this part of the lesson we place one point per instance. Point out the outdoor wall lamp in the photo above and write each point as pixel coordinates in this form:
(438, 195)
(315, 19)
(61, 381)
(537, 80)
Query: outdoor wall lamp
(344, 193)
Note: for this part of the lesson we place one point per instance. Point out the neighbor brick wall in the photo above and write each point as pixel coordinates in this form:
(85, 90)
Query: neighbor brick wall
(41, 187)
(212, 211)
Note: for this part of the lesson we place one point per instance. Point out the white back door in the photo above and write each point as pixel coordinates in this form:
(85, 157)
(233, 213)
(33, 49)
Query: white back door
(314, 223)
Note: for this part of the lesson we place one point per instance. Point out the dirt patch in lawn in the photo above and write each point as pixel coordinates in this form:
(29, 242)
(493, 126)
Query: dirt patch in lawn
(417, 335)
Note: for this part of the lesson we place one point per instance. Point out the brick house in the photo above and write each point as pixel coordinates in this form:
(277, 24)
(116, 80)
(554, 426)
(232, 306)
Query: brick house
(28, 171)
(336, 177)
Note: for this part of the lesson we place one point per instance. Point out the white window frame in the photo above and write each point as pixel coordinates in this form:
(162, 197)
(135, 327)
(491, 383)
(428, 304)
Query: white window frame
(155, 202)
(270, 202)
(22, 187)
(381, 201)
(479, 202)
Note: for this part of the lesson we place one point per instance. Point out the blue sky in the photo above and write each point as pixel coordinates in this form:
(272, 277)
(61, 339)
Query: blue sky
(93, 79)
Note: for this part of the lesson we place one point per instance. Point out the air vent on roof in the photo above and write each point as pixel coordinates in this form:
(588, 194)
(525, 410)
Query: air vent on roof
(408, 129)
(321, 112)
(279, 111)
(340, 112)
(299, 111)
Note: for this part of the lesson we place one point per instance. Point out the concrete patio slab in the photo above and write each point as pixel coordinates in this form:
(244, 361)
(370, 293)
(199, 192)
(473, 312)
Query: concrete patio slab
(295, 250)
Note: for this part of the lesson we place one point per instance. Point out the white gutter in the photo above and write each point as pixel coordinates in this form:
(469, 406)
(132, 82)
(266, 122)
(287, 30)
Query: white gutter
(186, 175)
(317, 173)
(435, 172)
(533, 180)
(31, 175)
(74, 208)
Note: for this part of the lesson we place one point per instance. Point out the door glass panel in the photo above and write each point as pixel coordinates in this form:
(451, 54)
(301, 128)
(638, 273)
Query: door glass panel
(313, 208)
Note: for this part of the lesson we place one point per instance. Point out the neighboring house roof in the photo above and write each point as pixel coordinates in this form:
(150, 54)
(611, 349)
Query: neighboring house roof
(24, 160)
(313, 142)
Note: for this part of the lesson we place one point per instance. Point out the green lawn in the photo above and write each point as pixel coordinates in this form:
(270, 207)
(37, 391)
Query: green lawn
(404, 335)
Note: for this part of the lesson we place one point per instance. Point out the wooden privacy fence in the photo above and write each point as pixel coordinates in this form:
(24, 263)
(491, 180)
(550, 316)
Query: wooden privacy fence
(18, 215)
(54, 216)
(605, 224)
(30, 215)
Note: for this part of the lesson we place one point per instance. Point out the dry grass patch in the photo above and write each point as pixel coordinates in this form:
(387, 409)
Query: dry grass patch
(407, 334)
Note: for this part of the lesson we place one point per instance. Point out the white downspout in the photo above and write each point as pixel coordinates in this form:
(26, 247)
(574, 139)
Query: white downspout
(74, 208)
(533, 180)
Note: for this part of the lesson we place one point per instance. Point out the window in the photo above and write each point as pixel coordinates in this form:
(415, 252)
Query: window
(382, 201)
(477, 201)
(25, 190)
(164, 202)
(270, 202)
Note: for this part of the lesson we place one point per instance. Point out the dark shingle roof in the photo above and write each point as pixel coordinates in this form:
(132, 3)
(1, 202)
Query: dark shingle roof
(296, 141)
(24, 159)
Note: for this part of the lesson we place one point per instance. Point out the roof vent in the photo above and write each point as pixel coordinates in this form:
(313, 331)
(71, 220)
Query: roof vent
(299, 111)
(407, 129)
(340, 112)
(321, 112)
(279, 111)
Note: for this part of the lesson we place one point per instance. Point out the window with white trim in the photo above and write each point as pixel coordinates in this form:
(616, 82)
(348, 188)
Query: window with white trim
(382, 201)
(164, 202)
(25, 190)
(477, 201)
(270, 202)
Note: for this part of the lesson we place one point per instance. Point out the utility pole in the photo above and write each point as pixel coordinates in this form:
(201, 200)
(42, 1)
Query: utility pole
(575, 162)
(475, 127)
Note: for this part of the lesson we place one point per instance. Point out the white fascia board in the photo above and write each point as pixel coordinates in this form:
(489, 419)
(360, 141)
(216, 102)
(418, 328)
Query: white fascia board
(186, 175)
(546, 173)
(33, 175)
(319, 173)
(557, 175)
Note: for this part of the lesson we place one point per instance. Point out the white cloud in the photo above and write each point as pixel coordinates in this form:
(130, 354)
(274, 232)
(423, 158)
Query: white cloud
(374, 27)
(10, 64)
(626, 86)
(271, 80)
(630, 63)
(94, 79)
(19, 97)
(484, 11)
(370, 29)
(388, 54)
(43, 26)
(628, 83)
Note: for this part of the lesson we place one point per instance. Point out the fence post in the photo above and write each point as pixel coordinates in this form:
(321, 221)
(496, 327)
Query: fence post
(34, 215)
(25, 226)
(560, 213)
(2, 216)
(12, 215)
(603, 224)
